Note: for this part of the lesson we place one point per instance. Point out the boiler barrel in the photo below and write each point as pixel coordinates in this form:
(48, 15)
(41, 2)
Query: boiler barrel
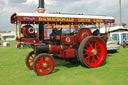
(55, 49)
(41, 49)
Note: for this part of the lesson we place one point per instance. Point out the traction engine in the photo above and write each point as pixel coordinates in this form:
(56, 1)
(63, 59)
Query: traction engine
(81, 45)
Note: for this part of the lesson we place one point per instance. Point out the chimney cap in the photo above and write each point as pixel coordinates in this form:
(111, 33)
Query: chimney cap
(41, 10)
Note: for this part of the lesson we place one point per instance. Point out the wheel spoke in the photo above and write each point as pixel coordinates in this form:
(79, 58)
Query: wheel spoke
(48, 61)
(30, 64)
(30, 59)
(39, 61)
(31, 56)
(97, 57)
(90, 45)
(87, 46)
(96, 45)
(86, 50)
(42, 69)
(85, 53)
(42, 60)
(98, 54)
(94, 59)
(38, 69)
(49, 66)
(88, 57)
(99, 51)
(46, 70)
(93, 43)
(38, 66)
(44, 57)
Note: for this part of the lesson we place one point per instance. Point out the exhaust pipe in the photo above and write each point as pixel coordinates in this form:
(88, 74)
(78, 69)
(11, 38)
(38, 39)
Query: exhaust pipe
(41, 4)
(41, 9)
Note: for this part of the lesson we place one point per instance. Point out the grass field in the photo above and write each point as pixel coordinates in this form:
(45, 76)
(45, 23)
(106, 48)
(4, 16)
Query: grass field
(13, 70)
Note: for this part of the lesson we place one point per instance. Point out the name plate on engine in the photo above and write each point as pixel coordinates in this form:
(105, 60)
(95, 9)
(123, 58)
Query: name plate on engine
(69, 39)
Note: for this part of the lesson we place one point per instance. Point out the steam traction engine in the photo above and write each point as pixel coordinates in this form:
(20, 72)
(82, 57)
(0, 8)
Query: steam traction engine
(80, 45)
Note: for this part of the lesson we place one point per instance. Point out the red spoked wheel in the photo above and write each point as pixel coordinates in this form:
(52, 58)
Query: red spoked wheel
(92, 51)
(43, 64)
(29, 60)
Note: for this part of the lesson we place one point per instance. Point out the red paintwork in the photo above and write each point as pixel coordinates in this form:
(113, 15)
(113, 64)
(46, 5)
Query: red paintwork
(44, 60)
(75, 20)
(28, 31)
(31, 40)
(58, 37)
(83, 33)
(13, 18)
(44, 35)
(64, 51)
(69, 39)
(67, 53)
(34, 19)
(38, 34)
(104, 37)
(98, 59)
(18, 39)
(56, 48)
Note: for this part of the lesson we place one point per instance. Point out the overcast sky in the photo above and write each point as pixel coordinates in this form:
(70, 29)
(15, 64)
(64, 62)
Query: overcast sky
(95, 7)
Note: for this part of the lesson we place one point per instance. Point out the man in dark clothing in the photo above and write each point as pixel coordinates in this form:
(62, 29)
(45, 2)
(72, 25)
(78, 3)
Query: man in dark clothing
(96, 32)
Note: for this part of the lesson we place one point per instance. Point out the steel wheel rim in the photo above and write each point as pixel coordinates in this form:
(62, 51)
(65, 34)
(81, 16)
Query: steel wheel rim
(30, 60)
(44, 65)
(94, 52)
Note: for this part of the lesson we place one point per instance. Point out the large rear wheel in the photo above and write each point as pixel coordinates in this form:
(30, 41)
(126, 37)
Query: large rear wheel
(43, 64)
(92, 51)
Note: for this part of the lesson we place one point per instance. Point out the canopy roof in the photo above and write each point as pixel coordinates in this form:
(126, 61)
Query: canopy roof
(114, 28)
(63, 18)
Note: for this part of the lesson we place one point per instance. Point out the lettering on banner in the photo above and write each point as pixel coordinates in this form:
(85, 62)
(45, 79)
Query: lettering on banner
(56, 19)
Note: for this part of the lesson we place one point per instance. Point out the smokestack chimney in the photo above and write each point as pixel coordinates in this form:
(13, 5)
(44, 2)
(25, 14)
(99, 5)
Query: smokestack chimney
(41, 8)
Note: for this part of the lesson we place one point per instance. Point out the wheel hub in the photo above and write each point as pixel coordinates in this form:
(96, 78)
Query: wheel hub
(45, 65)
(94, 52)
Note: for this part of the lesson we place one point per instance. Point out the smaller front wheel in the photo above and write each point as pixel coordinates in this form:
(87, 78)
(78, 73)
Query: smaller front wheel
(43, 64)
(29, 60)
